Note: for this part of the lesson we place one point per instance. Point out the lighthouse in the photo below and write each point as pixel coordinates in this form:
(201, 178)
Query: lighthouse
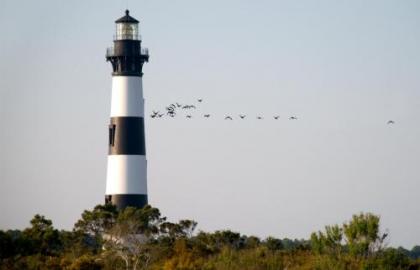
(126, 180)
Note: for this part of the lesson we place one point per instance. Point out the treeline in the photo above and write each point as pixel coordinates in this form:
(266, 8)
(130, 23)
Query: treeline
(105, 238)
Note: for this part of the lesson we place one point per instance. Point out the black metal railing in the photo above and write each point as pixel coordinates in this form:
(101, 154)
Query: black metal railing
(110, 52)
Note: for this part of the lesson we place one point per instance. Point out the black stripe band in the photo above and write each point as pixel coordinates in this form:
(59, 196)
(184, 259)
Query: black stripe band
(126, 136)
(121, 201)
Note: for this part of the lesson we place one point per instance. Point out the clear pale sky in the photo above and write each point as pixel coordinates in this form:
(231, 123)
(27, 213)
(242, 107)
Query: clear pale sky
(343, 67)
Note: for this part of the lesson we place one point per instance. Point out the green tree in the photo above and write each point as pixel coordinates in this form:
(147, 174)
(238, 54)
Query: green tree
(97, 221)
(415, 252)
(363, 236)
(42, 236)
(129, 238)
(289, 244)
(392, 259)
(318, 242)
(329, 242)
(210, 243)
(169, 232)
(89, 230)
(273, 243)
(6, 245)
(252, 241)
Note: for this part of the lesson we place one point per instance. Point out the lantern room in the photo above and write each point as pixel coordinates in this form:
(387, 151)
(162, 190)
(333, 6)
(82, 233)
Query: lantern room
(127, 28)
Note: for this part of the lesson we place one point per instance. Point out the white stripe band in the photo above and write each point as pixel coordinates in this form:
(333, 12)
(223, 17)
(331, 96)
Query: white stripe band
(126, 174)
(127, 96)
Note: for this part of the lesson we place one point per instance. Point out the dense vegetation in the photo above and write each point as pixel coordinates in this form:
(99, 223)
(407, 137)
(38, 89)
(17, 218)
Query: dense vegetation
(142, 239)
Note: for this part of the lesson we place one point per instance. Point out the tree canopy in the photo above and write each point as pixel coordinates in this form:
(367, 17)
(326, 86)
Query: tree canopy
(141, 238)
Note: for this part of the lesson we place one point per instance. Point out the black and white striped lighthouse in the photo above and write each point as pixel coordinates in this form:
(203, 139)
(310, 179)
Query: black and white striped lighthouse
(126, 183)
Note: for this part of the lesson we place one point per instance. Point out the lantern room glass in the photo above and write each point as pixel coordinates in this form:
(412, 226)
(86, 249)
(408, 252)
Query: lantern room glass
(127, 31)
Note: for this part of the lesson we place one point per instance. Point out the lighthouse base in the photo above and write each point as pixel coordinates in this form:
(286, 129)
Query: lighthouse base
(122, 201)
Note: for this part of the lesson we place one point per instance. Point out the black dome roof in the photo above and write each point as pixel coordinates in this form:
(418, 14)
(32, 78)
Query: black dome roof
(127, 18)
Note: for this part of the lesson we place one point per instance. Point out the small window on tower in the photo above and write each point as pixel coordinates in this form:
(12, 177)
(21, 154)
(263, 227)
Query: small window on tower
(111, 135)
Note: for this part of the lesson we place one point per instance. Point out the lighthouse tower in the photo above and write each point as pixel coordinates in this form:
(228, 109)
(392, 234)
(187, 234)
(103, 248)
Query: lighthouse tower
(126, 183)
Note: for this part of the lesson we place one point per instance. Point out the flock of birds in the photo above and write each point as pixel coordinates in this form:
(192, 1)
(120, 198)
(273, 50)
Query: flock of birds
(171, 111)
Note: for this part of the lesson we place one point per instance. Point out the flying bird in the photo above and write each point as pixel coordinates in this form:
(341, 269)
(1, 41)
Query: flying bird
(171, 113)
(154, 114)
(293, 118)
(189, 116)
(207, 115)
(242, 116)
(390, 122)
(188, 107)
(228, 118)
(200, 100)
(276, 117)
(259, 117)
